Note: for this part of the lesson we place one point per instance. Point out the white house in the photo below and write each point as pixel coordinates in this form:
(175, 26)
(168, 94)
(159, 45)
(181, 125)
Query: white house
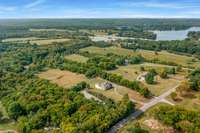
(104, 86)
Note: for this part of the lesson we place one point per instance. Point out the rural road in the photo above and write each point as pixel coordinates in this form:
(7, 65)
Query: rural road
(90, 96)
(146, 106)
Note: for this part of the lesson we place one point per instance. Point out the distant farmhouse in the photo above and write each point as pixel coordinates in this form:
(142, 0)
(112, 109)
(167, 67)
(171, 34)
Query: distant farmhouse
(104, 86)
(141, 77)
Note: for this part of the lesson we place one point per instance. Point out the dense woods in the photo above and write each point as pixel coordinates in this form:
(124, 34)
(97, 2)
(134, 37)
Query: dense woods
(38, 104)
(185, 46)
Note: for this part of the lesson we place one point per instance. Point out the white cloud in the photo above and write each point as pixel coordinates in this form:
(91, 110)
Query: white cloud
(34, 4)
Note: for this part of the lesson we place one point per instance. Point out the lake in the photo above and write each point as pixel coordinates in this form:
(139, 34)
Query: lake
(174, 35)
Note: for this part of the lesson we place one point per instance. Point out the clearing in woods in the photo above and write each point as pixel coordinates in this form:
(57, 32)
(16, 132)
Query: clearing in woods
(77, 58)
(165, 56)
(49, 41)
(131, 72)
(68, 79)
(62, 78)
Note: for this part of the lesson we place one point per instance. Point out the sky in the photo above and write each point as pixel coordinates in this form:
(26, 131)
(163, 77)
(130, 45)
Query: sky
(99, 8)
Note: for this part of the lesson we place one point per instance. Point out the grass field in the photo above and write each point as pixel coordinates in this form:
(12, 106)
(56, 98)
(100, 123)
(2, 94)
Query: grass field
(62, 78)
(49, 41)
(117, 93)
(162, 56)
(192, 103)
(114, 50)
(20, 39)
(148, 122)
(68, 79)
(77, 58)
(41, 30)
(131, 72)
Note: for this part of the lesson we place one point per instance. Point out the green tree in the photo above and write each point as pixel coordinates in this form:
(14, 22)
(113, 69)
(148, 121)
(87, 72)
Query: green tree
(149, 78)
(15, 110)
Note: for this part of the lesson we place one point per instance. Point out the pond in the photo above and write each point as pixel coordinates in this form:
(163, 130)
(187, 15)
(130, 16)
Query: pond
(174, 35)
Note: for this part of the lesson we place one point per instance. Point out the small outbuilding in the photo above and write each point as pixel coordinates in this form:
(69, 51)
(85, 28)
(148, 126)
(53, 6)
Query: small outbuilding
(141, 77)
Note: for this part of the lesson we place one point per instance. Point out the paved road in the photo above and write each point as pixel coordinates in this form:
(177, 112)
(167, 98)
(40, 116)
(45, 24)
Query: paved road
(146, 106)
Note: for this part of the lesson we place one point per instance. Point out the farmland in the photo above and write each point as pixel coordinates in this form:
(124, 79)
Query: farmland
(49, 41)
(131, 72)
(77, 58)
(20, 39)
(62, 78)
(68, 79)
(185, 61)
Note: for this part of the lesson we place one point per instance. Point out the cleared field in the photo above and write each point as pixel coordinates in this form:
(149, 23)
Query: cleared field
(20, 39)
(191, 103)
(114, 50)
(62, 78)
(166, 56)
(68, 79)
(40, 30)
(131, 72)
(77, 58)
(162, 85)
(49, 41)
(162, 56)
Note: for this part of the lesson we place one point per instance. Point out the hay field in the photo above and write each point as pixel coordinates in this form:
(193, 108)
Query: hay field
(64, 79)
(77, 58)
(49, 41)
(183, 60)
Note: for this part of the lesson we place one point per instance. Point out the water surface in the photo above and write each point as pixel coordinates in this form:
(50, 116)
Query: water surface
(174, 35)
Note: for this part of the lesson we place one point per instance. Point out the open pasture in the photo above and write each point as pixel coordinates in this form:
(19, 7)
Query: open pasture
(21, 40)
(131, 72)
(49, 41)
(62, 78)
(77, 58)
(186, 61)
(114, 50)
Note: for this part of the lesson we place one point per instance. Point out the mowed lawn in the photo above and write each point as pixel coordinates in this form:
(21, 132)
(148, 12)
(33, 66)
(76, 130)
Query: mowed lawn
(117, 93)
(162, 56)
(77, 58)
(48, 41)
